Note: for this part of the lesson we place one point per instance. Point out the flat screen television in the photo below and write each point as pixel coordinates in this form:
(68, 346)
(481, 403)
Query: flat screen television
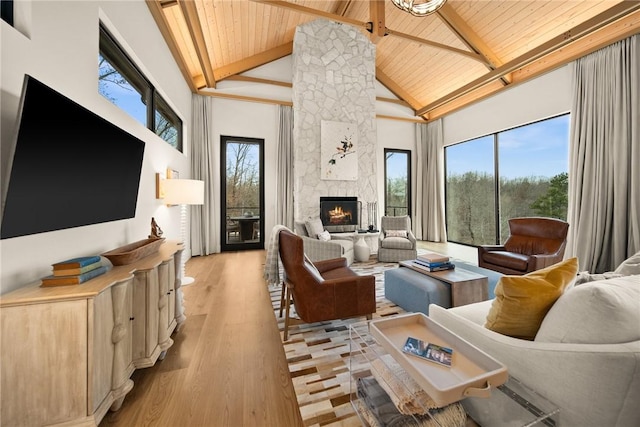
(70, 167)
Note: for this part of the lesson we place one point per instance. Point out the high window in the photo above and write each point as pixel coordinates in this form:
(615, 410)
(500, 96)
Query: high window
(397, 178)
(121, 82)
(515, 173)
(6, 11)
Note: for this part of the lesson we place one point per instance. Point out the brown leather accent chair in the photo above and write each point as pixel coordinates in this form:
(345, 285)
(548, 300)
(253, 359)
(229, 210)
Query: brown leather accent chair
(533, 243)
(324, 290)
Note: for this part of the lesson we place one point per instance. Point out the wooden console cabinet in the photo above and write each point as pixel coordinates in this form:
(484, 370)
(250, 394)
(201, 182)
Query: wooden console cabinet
(68, 352)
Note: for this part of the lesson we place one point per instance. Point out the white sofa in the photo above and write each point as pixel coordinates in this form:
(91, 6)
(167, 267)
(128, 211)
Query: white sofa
(585, 357)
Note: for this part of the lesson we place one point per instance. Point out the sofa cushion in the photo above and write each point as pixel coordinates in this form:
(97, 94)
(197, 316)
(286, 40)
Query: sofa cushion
(314, 227)
(396, 243)
(522, 301)
(600, 312)
(630, 266)
(512, 260)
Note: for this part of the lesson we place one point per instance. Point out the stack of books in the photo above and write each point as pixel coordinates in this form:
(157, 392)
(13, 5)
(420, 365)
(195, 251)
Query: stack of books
(434, 262)
(75, 271)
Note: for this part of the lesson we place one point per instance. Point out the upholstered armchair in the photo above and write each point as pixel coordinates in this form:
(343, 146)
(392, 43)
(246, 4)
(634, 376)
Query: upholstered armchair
(324, 290)
(319, 250)
(396, 240)
(533, 243)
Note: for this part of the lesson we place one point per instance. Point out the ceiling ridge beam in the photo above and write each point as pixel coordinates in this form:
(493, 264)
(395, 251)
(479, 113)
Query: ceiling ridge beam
(155, 7)
(470, 38)
(599, 21)
(254, 61)
(190, 13)
(377, 17)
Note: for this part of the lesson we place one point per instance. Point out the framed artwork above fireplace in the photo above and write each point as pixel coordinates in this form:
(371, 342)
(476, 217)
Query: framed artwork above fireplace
(339, 159)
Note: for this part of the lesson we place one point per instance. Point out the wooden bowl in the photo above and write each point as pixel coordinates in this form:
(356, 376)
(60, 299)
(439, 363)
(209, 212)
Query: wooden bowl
(134, 251)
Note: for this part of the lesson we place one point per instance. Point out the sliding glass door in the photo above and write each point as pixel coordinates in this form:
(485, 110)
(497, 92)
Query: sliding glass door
(242, 193)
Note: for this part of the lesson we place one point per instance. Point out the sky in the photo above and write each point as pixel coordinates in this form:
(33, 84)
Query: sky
(540, 149)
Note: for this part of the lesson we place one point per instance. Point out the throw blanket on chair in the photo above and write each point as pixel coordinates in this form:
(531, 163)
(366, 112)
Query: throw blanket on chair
(271, 265)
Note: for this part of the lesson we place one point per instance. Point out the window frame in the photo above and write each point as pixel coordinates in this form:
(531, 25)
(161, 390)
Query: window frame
(409, 187)
(122, 63)
(496, 171)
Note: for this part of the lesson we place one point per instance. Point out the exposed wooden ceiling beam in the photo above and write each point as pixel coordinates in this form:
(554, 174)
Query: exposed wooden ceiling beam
(402, 119)
(597, 22)
(364, 25)
(473, 55)
(190, 13)
(254, 61)
(377, 17)
(314, 12)
(155, 7)
(342, 7)
(619, 30)
(396, 89)
(244, 98)
(470, 38)
(239, 78)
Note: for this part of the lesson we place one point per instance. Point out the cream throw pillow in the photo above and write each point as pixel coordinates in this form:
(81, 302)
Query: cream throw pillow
(522, 301)
(396, 233)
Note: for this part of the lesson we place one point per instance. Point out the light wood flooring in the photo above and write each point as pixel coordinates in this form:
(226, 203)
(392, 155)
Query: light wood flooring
(227, 366)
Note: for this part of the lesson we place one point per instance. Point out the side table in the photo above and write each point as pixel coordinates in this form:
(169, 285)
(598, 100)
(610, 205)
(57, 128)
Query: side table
(361, 249)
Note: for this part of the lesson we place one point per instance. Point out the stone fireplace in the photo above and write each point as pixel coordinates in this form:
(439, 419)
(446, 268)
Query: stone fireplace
(333, 80)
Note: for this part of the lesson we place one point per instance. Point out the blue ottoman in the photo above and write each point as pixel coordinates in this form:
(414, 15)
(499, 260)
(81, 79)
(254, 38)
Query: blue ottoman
(414, 291)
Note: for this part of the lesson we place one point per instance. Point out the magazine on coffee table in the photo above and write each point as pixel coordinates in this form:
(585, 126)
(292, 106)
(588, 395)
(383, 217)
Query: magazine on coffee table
(428, 351)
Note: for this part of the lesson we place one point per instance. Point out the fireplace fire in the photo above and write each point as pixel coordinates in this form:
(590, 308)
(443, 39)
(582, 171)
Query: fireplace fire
(339, 214)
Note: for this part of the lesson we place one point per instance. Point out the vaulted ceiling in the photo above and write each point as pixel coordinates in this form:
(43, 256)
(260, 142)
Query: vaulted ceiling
(436, 64)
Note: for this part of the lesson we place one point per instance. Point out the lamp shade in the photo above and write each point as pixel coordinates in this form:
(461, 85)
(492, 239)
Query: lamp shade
(183, 192)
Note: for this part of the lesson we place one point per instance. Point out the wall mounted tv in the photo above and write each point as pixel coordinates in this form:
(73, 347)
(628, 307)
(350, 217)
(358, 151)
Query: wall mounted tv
(70, 167)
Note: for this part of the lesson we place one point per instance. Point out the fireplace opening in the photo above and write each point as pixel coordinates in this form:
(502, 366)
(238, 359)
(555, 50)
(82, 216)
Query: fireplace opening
(339, 214)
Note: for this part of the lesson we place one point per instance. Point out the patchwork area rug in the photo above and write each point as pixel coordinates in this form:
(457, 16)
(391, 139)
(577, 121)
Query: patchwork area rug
(318, 356)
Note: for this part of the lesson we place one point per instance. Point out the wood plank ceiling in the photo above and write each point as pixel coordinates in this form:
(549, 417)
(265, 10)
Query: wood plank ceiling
(436, 64)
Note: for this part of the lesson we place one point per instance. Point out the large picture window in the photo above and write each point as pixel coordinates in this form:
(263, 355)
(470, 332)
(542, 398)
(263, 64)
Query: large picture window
(121, 82)
(515, 173)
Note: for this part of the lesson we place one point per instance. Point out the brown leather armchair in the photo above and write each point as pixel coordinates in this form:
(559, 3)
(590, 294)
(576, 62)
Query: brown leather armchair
(324, 290)
(533, 243)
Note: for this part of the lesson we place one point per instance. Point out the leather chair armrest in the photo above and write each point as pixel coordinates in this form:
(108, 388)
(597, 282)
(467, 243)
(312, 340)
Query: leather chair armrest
(489, 248)
(539, 261)
(330, 264)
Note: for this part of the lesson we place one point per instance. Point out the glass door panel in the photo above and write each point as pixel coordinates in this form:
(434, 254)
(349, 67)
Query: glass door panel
(242, 193)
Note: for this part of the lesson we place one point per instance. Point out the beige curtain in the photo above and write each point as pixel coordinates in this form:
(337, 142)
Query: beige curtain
(430, 213)
(284, 168)
(604, 158)
(205, 158)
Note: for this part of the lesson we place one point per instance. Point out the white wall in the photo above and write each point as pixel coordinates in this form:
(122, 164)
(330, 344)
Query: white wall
(249, 120)
(543, 97)
(60, 49)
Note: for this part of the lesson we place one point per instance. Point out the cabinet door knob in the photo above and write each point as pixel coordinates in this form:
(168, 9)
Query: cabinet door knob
(132, 318)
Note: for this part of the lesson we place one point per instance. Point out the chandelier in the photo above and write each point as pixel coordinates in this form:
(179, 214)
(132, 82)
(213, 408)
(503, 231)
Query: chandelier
(419, 7)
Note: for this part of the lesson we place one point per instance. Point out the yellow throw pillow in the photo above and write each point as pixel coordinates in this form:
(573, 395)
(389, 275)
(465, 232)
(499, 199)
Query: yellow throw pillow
(522, 301)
